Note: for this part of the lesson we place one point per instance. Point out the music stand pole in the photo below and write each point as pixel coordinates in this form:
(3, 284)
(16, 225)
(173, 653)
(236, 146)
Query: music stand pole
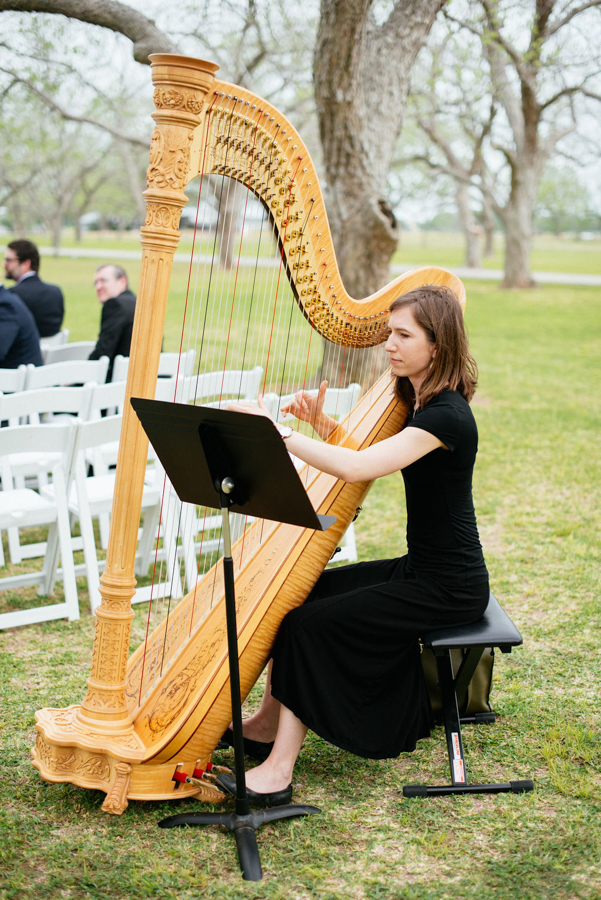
(214, 446)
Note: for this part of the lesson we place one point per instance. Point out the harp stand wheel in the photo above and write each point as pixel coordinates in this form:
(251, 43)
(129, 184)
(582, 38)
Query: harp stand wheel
(224, 445)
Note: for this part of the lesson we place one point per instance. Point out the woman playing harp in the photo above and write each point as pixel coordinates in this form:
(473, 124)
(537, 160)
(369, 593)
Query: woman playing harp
(347, 664)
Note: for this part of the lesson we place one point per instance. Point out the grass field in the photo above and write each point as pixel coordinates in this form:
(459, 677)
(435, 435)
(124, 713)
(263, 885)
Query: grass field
(537, 497)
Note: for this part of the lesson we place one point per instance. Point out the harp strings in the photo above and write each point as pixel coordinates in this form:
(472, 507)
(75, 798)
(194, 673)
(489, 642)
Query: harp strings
(234, 319)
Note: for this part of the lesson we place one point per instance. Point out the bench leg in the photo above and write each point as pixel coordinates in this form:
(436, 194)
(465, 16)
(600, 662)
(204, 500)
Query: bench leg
(452, 723)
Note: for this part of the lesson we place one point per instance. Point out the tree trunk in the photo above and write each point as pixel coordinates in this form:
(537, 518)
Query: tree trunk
(517, 219)
(361, 75)
(229, 215)
(471, 228)
(488, 223)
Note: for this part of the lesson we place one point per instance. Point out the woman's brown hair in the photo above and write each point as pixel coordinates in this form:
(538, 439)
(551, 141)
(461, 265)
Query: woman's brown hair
(436, 309)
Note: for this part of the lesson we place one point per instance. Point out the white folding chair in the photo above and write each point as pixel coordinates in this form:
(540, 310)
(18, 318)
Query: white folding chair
(55, 340)
(35, 465)
(66, 352)
(171, 365)
(220, 388)
(338, 402)
(13, 380)
(23, 507)
(67, 373)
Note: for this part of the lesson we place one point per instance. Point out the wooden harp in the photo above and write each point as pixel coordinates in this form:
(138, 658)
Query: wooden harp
(152, 718)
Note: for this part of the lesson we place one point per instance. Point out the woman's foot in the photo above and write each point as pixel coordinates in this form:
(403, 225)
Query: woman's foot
(266, 779)
(258, 750)
(227, 783)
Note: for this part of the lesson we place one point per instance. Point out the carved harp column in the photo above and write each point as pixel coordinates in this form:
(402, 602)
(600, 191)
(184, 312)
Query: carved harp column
(181, 85)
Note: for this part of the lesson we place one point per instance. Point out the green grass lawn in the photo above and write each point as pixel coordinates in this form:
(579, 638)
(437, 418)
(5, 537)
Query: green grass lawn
(549, 253)
(537, 498)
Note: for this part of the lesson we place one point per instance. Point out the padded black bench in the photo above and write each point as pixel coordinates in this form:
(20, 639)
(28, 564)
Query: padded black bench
(494, 629)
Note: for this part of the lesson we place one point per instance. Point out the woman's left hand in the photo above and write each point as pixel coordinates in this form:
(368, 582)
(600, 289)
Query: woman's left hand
(251, 408)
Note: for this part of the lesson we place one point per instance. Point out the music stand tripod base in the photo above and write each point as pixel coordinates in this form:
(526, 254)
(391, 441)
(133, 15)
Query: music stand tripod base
(244, 828)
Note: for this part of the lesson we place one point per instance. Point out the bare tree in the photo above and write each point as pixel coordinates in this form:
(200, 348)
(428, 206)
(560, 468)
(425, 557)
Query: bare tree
(537, 83)
(452, 106)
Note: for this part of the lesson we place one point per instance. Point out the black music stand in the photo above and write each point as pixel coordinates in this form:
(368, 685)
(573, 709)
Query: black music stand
(233, 462)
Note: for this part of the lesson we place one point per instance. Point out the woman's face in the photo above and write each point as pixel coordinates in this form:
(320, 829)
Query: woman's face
(409, 350)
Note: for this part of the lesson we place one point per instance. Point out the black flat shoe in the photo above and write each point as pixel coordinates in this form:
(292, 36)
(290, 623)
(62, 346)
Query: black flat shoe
(227, 784)
(258, 750)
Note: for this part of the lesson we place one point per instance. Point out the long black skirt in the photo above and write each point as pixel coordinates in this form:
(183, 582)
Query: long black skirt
(347, 662)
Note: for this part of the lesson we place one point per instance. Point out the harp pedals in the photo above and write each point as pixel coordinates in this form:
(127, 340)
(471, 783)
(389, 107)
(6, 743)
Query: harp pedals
(199, 776)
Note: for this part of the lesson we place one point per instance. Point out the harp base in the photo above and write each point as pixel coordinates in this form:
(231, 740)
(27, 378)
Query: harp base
(65, 753)
(244, 828)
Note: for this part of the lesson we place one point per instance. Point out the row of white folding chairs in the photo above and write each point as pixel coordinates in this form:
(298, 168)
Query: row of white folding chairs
(91, 496)
(30, 377)
(68, 364)
(101, 448)
(73, 494)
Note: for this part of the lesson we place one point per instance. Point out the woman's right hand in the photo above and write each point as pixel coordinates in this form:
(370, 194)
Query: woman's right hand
(305, 406)
(309, 408)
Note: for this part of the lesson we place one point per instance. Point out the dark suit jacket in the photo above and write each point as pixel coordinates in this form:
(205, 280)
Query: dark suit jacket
(45, 302)
(116, 324)
(19, 338)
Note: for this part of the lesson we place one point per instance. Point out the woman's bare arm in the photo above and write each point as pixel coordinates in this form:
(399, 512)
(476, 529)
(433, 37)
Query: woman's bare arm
(379, 459)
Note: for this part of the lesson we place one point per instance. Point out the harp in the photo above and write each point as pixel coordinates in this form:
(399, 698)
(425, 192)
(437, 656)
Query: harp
(150, 718)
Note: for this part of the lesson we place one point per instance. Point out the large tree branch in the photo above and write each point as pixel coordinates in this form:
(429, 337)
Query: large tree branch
(49, 101)
(112, 14)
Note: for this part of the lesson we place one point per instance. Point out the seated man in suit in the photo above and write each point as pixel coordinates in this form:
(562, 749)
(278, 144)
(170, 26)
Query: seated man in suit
(117, 319)
(19, 338)
(22, 264)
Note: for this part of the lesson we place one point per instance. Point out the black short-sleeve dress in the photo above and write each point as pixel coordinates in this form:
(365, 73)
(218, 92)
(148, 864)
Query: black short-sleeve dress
(347, 661)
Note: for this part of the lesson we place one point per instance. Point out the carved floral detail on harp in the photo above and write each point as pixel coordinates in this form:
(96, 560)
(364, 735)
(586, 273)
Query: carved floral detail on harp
(172, 99)
(107, 642)
(169, 160)
(161, 216)
(175, 694)
(73, 762)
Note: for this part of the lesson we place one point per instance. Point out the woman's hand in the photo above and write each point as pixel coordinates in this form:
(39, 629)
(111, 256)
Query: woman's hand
(251, 408)
(306, 406)
(309, 408)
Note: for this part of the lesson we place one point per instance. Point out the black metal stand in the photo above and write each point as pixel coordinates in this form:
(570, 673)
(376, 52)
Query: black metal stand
(259, 452)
